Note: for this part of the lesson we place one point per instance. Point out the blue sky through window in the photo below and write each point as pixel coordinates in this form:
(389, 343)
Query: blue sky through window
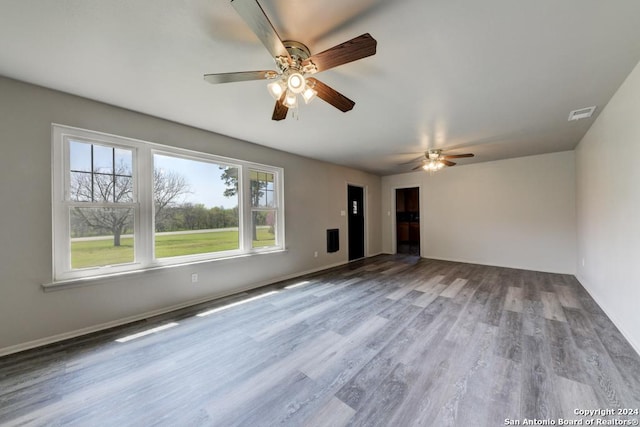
(206, 186)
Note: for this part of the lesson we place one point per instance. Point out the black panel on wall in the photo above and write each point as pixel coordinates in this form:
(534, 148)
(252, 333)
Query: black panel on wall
(333, 240)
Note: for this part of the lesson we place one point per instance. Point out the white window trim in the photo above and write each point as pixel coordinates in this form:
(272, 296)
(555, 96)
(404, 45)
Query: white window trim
(278, 176)
(201, 157)
(142, 204)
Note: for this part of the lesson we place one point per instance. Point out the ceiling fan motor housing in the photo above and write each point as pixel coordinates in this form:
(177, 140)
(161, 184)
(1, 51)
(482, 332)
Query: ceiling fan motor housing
(297, 50)
(434, 154)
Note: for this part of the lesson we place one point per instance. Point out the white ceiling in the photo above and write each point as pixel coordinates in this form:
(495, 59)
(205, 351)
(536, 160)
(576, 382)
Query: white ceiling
(494, 77)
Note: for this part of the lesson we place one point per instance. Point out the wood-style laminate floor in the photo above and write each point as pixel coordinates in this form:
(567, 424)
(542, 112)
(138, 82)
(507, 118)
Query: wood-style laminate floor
(387, 341)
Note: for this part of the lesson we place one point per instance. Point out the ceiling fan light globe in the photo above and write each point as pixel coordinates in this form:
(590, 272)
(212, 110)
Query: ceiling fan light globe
(296, 83)
(309, 94)
(276, 89)
(291, 100)
(432, 166)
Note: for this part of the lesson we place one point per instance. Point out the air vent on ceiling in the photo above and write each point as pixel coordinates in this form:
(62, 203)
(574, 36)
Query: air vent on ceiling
(582, 113)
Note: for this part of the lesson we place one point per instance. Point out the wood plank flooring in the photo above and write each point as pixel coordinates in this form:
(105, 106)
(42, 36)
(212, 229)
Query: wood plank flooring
(387, 341)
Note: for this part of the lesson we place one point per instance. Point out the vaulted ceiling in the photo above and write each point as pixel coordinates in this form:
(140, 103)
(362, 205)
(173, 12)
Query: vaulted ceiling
(494, 77)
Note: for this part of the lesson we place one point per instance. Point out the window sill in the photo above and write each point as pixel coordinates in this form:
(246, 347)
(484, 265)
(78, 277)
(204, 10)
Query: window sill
(58, 285)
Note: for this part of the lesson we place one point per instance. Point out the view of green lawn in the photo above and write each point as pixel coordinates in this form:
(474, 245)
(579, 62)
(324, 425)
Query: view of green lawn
(93, 253)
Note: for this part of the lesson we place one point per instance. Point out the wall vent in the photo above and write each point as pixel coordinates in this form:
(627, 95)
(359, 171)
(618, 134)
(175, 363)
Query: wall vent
(333, 240)
(583, 113)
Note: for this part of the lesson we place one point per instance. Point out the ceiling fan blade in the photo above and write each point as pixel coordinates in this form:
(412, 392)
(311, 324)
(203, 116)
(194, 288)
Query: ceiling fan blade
(331, 96)
(280, 110)
(413, 161)
(256, 19)
(447, 162)
(457, 156)
(241, 76)
(352, 50)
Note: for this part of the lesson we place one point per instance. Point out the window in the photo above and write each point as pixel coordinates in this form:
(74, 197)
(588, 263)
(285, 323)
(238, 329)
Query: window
(195, 206)
(124, 205)
(100, 204)
(264, 209)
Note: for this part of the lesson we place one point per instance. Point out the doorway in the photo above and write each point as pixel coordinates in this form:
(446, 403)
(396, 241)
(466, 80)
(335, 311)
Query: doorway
(355, 206)
(408, 221)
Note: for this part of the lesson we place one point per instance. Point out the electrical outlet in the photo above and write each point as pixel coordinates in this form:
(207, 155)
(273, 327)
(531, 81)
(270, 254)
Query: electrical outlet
(315, 254)
(194, 278)
(583, 262)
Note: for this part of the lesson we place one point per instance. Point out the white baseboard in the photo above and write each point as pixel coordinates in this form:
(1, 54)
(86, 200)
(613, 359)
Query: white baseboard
(518, 267)
(610, 314)
(96, 328)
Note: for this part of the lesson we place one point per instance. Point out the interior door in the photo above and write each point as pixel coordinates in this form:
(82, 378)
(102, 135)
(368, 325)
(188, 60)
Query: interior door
(408, 221)
(355, 205)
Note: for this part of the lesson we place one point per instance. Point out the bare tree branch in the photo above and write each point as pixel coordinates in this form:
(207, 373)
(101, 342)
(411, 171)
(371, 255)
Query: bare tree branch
(116, 188)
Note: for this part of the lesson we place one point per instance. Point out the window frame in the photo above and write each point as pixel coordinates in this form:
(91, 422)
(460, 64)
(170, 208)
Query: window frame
(144, 213)
(277, 207)
(206, 158)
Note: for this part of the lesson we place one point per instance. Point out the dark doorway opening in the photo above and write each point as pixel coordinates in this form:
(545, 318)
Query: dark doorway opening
(355, 206)
(408, 221)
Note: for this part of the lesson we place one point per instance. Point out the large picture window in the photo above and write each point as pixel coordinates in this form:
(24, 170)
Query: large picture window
(124, 205)
(194, 210)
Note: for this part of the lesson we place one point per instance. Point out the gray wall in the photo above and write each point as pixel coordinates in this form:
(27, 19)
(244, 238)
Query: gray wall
(315, 195)
(608, 201)
(517, 213)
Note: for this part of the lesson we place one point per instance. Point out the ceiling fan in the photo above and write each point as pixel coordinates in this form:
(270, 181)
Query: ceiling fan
(295, 62)
(434, 160)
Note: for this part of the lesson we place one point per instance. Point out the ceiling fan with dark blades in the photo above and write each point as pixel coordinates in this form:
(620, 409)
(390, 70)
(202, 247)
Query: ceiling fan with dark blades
(294, 62)
(434, 160)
